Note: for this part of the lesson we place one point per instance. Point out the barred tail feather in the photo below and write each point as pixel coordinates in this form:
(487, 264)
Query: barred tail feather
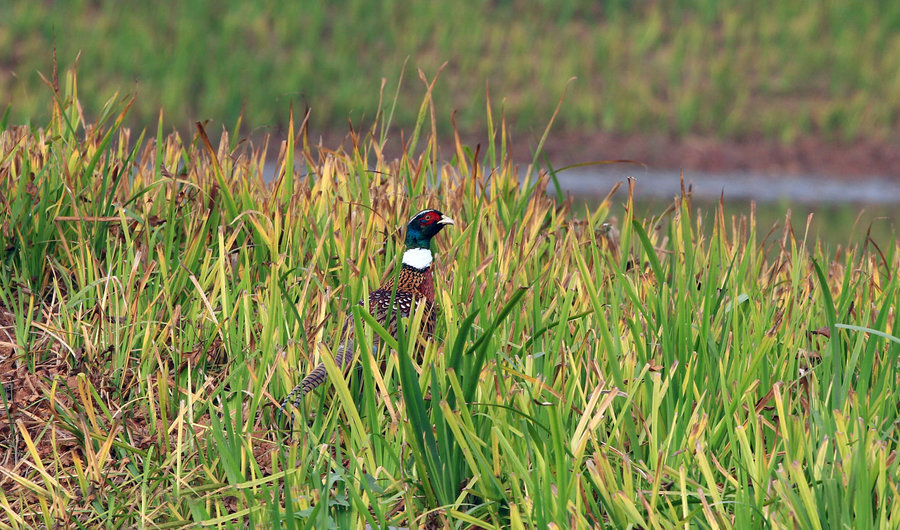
(312, 381)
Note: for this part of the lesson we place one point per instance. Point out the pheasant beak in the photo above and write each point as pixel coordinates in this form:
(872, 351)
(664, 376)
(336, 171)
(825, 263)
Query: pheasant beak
(445, 221)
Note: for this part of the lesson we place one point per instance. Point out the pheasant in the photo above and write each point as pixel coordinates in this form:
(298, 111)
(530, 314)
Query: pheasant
(414, 285)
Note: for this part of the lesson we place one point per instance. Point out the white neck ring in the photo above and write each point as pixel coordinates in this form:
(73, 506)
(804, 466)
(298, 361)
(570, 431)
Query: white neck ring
(419, 258)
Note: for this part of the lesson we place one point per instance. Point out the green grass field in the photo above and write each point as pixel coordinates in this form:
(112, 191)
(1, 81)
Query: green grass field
(159, 298)
(728, 69)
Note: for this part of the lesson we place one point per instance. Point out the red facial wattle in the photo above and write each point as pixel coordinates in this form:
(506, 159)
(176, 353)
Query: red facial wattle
(430, 218)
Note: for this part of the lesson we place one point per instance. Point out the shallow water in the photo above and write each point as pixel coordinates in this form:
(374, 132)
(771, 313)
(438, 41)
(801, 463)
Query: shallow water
(654, 184)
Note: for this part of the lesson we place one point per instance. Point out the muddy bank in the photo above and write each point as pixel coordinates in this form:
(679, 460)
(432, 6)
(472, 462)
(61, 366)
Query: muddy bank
(804, 157)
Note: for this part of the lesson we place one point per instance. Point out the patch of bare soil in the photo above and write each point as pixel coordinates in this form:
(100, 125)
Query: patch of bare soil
(806, 156)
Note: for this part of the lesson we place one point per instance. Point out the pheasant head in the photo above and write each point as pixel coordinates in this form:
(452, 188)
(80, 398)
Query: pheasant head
(422, 227)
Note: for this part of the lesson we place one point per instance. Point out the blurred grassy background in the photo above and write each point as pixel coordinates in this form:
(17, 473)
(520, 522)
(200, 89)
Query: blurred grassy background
(730, 69)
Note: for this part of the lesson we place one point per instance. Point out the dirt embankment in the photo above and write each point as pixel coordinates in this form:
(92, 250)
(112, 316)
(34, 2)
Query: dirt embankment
(806, 156)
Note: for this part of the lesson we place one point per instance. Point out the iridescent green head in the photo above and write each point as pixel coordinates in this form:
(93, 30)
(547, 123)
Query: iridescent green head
(423, 226)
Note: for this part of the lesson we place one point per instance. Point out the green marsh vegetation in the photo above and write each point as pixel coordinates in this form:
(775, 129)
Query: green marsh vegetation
(158, 298)
(728, 69)
(835, 225)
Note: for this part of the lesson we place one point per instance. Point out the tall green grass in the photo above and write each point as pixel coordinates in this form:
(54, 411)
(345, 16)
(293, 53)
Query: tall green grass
(159, 298)
(729, 69)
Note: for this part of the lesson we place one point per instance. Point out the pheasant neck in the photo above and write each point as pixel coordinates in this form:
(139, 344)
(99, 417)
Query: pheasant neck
(418, 258)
